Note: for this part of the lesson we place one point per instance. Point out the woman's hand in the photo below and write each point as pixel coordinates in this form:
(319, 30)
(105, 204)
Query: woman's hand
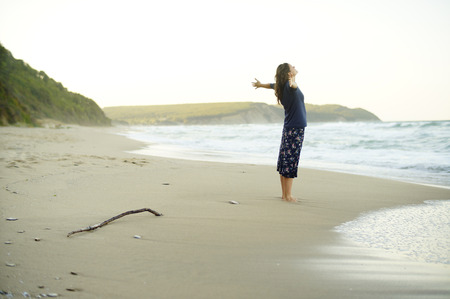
(292, 82)
(256, 84)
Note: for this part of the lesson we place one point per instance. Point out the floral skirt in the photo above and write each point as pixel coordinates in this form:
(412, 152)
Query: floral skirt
(290, 148)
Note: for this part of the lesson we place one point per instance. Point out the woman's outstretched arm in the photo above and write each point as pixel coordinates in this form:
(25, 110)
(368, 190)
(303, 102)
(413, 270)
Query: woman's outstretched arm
(258, 84)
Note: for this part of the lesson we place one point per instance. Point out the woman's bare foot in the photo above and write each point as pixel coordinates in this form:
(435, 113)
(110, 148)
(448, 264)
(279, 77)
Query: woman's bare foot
(289, 199)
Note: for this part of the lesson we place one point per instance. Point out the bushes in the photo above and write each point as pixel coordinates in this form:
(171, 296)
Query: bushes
(27, 95)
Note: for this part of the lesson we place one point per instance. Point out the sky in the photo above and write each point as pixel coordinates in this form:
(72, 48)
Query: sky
(390, 57)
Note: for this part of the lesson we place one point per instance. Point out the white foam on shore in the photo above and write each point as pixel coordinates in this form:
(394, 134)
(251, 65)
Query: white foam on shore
(415, 152)
(420, 232)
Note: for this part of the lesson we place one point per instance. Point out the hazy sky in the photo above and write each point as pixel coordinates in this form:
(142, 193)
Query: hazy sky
(388, 56)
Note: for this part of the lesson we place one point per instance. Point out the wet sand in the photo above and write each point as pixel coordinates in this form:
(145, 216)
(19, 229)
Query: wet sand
(55, 181)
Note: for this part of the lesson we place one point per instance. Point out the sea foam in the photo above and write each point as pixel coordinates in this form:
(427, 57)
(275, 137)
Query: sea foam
(416, 152)
(420, 232)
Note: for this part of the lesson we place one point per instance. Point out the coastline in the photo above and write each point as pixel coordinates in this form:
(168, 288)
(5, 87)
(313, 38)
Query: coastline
(363, 151)
(58, 180)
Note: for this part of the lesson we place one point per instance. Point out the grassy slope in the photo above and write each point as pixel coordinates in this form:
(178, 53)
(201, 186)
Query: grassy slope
(187, 113)
(174, 113)
(27, 95)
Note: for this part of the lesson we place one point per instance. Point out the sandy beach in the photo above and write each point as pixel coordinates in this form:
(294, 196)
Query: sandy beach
(54, 181)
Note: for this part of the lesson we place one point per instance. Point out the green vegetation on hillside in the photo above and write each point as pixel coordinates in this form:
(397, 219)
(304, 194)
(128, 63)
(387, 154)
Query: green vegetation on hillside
(175, 114)
(27, 96)
(328, 113)
(233, 112)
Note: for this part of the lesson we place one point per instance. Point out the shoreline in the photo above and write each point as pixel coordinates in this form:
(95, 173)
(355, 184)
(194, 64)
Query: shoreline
(58, 180)
(197, 150)
(137, 152)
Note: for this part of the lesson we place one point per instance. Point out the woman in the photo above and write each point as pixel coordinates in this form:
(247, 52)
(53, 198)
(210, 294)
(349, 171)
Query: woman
(289, 95)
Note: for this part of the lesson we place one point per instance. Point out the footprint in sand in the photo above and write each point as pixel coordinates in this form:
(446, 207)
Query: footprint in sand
(12, 164)
(138, 162)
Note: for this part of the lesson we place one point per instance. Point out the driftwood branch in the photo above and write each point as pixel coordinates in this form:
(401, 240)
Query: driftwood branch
(93, 227)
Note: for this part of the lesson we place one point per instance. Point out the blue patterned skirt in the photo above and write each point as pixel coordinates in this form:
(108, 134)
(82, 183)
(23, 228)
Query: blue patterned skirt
(290, 148)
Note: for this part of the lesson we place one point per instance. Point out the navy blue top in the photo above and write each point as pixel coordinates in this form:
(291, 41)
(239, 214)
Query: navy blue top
(293, 102)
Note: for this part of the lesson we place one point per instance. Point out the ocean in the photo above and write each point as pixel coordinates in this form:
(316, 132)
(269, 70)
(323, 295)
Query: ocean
(419, 232)
(416, 152)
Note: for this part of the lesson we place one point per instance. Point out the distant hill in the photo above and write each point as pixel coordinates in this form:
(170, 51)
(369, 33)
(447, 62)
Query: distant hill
(333, 113)
(27, 96)
(228, 113)
(209, 113)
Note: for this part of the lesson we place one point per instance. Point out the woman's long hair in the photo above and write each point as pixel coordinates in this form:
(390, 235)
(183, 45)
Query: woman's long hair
(281, 77)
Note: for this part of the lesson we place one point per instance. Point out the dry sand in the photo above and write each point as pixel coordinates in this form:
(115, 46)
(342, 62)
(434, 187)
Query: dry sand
(58, 180)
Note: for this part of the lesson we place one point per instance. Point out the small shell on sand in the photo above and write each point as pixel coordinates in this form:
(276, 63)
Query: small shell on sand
(233, 202)
(8, 242)
(137, 237)
(37, 239)
(52, 295)
(10, 264)
(11, 219)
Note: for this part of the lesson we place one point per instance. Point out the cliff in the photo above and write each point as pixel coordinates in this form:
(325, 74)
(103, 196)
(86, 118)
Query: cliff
(338, 113)
(228, 113)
